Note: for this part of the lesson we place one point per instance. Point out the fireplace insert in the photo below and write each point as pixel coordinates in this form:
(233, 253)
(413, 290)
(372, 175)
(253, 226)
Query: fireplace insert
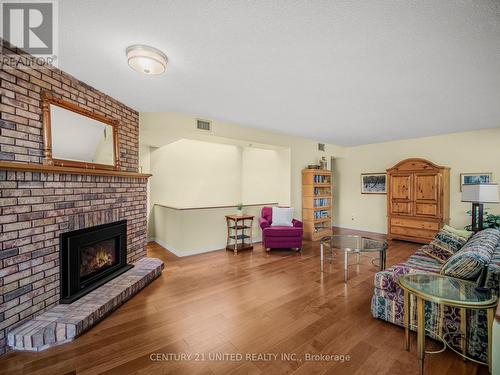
(91, 257)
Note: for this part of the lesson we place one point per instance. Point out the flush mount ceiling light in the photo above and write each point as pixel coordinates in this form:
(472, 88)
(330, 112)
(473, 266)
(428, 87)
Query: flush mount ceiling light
(146, 59)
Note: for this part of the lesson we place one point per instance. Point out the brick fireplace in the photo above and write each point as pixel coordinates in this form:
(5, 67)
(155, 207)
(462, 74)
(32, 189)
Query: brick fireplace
(36, 207)
(90, 257)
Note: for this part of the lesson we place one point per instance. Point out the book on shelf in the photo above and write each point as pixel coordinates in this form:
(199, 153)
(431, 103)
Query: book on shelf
(320, 202)
(320, 228)
(320, 179)
(321, 190)
(321, 214)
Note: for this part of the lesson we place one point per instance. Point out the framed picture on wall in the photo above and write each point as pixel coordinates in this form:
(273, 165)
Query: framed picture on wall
(373, 183)
(475, 178)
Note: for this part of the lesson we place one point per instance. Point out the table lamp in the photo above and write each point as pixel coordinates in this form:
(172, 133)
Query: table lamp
(479, 194)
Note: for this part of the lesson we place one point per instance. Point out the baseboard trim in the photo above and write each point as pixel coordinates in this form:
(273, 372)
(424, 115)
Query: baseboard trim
(197, 251)
(359, 229)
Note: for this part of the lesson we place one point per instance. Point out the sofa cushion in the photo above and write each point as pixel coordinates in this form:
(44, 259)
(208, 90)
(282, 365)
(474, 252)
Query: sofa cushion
(283, 231)
(419, 262)
(459, 232)
(493, 275)
(468, 262)
(282, 217)
(444, 245)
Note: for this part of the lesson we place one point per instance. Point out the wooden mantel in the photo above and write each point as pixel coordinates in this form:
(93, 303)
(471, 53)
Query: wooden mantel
(33, 167)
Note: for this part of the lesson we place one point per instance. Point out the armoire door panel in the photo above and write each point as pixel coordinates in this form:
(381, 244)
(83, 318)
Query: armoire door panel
(400, 186)
(426, 209)
(426, 187)
(401, 208)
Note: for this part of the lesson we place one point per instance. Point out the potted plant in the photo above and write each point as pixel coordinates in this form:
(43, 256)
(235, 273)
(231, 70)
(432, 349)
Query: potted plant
(489, 220)
(239, 208)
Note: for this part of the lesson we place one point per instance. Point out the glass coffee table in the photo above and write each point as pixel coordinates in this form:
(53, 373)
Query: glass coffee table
(447, 291)
(352, 244)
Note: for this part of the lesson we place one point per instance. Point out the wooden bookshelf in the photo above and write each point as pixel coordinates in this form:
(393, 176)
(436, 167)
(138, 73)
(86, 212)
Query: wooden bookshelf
(316, 203)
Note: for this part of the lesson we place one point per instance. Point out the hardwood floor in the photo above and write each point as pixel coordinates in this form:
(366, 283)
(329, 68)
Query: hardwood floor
(252, 302)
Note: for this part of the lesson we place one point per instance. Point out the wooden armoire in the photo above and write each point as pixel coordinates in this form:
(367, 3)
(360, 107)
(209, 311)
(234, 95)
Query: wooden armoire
(418, 200)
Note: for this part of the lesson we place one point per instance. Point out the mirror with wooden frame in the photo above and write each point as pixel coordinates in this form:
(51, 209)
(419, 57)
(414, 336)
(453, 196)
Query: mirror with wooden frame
(76, 137)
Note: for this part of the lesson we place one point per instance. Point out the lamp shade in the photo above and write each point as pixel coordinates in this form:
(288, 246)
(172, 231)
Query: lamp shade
(483, 193)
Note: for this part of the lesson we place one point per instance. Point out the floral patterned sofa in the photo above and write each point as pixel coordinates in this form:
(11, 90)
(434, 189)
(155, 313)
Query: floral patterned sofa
(388, 302)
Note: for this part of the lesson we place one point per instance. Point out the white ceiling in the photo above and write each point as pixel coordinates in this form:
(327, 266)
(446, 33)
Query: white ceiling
(346, 72)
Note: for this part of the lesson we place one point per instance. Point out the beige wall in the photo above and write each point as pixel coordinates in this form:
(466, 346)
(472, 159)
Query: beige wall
(191, 173)
(265, 176)
(189, 232)
(144, 159)
(159, 129)
(477, 151)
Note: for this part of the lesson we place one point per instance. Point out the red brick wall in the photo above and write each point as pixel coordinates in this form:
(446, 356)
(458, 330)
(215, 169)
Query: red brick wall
(37, 207)
(21, 119)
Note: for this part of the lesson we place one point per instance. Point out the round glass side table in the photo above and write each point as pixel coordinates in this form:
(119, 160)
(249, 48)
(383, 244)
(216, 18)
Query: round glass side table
(447, 291)
(352, 244)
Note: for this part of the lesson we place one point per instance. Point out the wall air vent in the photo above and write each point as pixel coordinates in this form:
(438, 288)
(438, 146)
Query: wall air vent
(203, 125)
(321, 146)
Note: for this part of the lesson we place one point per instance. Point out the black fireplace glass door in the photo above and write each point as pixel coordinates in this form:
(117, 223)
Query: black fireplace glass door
(90, 257)
(98, 257)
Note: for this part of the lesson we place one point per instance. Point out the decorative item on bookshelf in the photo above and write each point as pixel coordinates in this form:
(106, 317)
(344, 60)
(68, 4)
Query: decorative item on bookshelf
(322, 163)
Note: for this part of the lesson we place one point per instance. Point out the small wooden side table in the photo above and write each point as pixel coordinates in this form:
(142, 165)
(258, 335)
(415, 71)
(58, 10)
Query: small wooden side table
(239, 232)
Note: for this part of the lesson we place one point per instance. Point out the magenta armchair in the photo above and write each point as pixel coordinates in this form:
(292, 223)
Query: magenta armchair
(279, 237)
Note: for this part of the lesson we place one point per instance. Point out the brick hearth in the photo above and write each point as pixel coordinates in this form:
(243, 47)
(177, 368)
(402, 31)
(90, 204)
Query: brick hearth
(63, 323)
(37, 207)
